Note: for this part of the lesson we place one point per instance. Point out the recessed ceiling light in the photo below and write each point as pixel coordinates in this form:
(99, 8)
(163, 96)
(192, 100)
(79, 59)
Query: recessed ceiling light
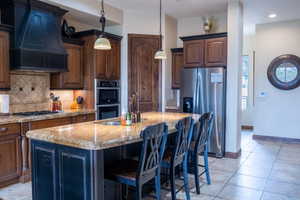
(273, 15)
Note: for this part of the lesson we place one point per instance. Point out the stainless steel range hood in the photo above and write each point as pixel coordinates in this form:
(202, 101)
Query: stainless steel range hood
(36, 42)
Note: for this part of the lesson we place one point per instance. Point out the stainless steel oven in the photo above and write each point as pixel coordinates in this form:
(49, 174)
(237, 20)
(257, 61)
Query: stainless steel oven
(107, 98)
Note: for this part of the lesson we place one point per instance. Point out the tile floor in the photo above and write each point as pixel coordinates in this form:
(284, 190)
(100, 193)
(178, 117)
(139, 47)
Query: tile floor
(265, 171)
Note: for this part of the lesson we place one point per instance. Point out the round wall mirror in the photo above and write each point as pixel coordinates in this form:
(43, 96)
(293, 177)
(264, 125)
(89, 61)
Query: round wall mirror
(284, 72)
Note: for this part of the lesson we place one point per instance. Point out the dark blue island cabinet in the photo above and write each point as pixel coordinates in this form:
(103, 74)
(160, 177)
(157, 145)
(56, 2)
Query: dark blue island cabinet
(66, 173)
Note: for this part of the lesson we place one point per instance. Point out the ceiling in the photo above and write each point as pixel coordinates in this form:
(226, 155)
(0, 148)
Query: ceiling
(257, 11)
(175, 8)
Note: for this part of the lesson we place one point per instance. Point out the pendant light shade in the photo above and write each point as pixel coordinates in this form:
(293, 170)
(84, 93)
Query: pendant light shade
(102, 43)
(160, 54)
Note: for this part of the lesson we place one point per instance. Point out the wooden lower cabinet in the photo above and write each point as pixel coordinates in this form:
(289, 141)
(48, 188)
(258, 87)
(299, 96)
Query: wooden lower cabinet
(26, 152)
(10, 154)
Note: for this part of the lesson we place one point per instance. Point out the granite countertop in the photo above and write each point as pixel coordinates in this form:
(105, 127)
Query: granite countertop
(97, 136)
(20, 119)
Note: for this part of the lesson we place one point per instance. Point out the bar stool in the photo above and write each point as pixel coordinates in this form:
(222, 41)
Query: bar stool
(137, 173)
(201, 134)
(177, 156)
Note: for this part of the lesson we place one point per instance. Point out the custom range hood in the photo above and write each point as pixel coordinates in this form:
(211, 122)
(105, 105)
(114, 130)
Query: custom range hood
(36, 42)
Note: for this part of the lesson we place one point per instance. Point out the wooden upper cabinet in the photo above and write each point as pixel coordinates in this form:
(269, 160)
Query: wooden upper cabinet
(177, 65)
(4, 61)
(73, 79)
(205, 50)
(108, 62)
(113, 61)
(194, 53)
(216, 52)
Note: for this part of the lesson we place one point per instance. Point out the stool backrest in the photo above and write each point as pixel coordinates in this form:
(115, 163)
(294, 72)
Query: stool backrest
(202, 130)
(154, 141)
(183, 139)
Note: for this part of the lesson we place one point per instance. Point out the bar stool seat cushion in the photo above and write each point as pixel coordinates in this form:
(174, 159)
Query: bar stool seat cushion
(125, 172)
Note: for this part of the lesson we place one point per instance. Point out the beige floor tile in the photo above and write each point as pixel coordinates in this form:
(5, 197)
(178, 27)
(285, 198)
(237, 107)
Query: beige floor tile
(255, 170)
(287, 175)
(272, 196)
(248, 181)
(226, 164)
(212, 190)
(232, 192)
(287, 189)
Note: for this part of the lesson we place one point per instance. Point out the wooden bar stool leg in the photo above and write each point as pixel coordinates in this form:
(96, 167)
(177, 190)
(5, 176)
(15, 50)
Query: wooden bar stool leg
(196, 174)
(157, 185)
(172, 179)
(206, 165)
(186, 180)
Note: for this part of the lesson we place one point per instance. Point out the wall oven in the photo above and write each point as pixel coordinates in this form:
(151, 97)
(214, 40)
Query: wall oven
(107, 99)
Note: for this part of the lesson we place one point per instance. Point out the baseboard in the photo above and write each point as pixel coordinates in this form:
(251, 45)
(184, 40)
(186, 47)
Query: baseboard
(233, 155)
(275, 139)
(246, 127)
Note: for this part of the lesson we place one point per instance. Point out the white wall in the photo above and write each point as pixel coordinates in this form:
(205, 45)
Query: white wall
(235, 46)
(277, 114)
(170, 42)
(194, 26)
(249, 50)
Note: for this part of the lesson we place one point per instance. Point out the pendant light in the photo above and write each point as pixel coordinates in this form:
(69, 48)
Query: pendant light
(102, 43)
(160, 54)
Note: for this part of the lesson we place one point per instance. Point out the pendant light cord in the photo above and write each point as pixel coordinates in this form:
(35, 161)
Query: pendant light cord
(160, 32)
(102, 18)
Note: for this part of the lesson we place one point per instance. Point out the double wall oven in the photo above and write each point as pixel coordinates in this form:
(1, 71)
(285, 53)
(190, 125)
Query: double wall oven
(107, 99)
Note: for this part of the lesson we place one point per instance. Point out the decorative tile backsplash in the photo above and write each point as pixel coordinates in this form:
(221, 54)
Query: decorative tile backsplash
(29, 91)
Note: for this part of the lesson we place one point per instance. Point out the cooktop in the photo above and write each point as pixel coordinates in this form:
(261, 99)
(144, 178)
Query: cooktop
(43, 112)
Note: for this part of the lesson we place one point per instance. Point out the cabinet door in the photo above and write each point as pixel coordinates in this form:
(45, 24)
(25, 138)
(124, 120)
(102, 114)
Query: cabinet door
(216, 52)
(113, 61)
(10, 159)
(177, 64)
(73, 79)
(4, 61)
(100, 64)
(194, 53)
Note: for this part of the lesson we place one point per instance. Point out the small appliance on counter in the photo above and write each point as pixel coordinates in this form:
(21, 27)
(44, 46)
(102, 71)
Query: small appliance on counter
(77, 103)
(56, 103)
(4, 104)
(107, 99)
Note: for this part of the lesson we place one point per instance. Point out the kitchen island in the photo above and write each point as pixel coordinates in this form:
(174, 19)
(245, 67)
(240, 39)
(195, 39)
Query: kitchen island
(68, 162)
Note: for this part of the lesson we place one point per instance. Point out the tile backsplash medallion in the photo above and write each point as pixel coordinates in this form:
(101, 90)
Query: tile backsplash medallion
(30, 92)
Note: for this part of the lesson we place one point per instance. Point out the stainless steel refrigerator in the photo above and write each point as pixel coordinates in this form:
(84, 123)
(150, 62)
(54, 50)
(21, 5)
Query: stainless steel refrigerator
(204, 90)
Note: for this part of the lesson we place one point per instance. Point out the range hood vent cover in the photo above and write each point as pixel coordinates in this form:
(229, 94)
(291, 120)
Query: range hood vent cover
(36, 42)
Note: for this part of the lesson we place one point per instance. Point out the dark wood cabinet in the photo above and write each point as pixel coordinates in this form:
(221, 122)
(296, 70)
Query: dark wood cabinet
(216, 52)
(113, 63)
(194, 53)
(143, 70)
(205, 50)
(73, 79)
(108, 62)
(10, 154)
(177, 65)
(4, 61)
(98, 64)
